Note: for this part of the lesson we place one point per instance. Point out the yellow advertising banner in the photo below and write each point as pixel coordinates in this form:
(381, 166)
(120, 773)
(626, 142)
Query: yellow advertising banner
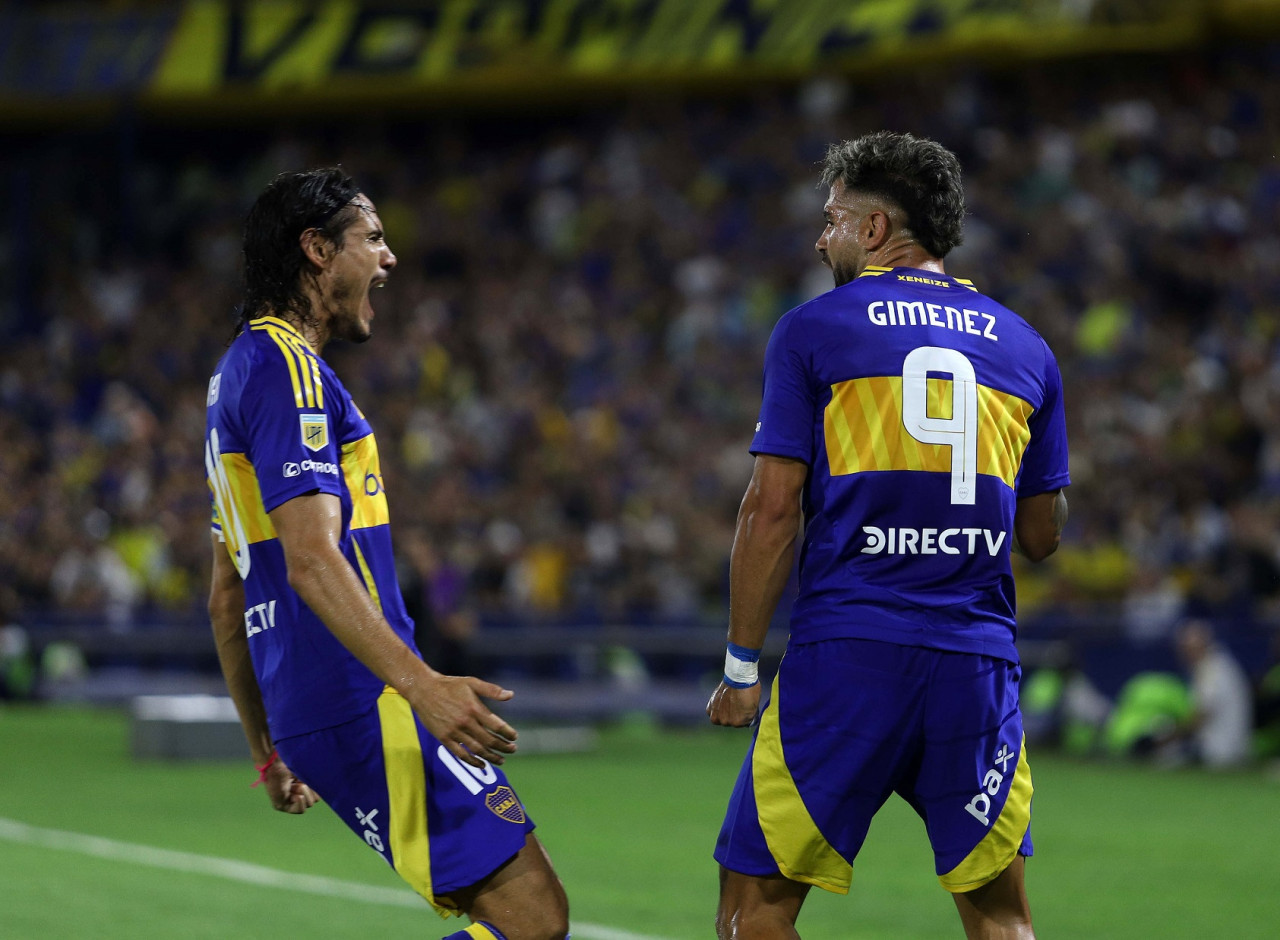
(204, 56)
(364, 47)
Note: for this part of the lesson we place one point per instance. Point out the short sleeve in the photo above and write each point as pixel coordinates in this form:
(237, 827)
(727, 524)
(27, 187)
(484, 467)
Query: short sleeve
(1044, 465)
(293, 446)
(785, 425)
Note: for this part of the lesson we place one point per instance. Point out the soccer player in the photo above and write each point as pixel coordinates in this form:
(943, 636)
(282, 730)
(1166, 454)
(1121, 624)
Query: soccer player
(311, 629)
(915, 429)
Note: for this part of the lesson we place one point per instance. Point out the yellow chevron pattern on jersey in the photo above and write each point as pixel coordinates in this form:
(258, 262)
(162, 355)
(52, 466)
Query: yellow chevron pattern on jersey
(864, 429)
(304, 367)
(799, 848)
(362, 470)
(246, 498)
(998, 847)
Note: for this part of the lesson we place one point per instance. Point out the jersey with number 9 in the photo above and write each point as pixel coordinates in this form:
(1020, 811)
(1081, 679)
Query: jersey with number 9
(924, 411)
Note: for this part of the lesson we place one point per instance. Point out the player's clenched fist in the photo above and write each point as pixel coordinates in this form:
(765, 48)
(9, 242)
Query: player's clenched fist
(736, 708)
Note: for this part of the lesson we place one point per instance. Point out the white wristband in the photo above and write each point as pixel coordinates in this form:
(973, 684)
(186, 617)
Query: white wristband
(741, 672)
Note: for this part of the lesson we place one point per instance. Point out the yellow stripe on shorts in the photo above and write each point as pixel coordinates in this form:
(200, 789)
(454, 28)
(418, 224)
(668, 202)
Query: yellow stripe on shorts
(802, 852)
(407, 793)
(1000, 845)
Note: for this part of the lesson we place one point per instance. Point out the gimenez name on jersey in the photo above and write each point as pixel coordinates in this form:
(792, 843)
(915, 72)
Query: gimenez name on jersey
(919, 313)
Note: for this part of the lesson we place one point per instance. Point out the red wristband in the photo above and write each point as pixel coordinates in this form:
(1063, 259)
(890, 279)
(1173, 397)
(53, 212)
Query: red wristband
(262, 769)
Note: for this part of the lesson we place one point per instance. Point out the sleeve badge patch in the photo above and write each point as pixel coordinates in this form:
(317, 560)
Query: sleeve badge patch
(315, 431)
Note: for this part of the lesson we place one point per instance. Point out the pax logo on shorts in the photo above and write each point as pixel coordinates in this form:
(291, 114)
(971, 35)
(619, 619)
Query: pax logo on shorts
(315, 431)
(980, 806)
(370, 829)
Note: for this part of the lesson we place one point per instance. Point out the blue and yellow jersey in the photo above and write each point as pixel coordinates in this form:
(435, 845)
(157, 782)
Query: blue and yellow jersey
(281, 424)
(924, 410)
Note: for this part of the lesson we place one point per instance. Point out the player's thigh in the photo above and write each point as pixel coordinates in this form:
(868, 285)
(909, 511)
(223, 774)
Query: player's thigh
(523, 898)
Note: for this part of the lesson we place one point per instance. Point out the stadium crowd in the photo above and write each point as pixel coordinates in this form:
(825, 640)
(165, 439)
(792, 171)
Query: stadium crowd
(566, 365)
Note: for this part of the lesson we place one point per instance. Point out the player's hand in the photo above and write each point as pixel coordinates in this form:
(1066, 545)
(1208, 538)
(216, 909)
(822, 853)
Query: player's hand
(288, 793)
(736, 708)
(452, 710)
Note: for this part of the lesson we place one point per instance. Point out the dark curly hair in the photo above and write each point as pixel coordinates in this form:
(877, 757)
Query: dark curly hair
(274, 263)
(921, 176)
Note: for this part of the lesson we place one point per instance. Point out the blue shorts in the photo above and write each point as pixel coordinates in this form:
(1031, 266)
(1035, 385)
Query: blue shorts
(441, 824)
(851, 721)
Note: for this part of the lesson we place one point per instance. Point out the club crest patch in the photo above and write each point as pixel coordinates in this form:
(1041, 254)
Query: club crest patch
(315, 431)
(504, 804)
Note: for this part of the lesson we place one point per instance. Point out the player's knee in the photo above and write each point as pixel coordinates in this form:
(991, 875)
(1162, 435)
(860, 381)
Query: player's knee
(547, 923)
(550, 921)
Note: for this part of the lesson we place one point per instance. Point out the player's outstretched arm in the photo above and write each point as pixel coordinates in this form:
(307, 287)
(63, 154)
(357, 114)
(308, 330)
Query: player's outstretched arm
(1038, 523)
(226, 613)
(449, 706)
(763, 549)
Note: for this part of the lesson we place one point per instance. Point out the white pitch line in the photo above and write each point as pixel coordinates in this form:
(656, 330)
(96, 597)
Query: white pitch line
(247, 872)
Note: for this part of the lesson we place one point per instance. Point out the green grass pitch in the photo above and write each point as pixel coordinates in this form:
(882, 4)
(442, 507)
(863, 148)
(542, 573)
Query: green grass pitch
(1122, 851)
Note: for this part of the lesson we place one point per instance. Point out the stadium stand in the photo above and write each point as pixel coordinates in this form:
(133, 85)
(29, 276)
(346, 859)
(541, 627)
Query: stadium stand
(566, 363)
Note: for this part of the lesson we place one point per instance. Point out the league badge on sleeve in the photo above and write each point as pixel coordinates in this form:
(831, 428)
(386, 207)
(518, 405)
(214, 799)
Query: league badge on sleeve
(315, 431)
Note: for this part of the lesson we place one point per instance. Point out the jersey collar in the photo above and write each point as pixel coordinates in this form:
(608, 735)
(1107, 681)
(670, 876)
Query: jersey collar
(875, 270)
(278, 323)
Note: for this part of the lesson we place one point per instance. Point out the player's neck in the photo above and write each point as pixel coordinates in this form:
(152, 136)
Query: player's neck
(316, 334)
(905, 254)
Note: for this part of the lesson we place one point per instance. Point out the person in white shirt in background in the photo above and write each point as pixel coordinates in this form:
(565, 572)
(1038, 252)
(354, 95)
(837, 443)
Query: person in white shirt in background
(1221, 722)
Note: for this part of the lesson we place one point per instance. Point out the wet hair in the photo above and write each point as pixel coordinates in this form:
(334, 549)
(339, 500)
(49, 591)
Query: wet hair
(920, 176)
(274, 263)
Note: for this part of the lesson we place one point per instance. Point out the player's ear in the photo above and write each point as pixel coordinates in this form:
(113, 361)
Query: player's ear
(875, 229)
(317, 246)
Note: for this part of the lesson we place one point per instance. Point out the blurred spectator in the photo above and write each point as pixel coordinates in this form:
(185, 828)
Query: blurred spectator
(1266, 700)
(1061, 705)
(1149, 709)
(435, 597)
(17, 665)
(1221, 720)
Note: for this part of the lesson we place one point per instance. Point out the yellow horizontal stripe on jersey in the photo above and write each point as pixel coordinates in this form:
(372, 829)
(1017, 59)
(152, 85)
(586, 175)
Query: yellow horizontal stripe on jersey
(864, 429)
(407, 795)
(998, 847)
(362, 471)
(247, 498)
(800, 849)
